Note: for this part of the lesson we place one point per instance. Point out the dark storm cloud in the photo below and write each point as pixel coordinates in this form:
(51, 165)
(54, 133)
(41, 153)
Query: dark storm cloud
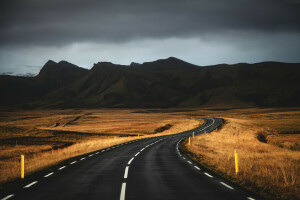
(57, 22)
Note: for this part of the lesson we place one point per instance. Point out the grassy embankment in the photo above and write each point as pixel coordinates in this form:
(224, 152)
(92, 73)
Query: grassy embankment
(49, 137)
(268, 144)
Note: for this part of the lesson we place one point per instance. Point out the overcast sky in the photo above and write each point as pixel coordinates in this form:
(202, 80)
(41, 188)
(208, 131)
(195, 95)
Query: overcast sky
(201, 32)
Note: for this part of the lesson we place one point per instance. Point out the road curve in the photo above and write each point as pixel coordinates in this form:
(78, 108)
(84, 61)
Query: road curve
(147, 169)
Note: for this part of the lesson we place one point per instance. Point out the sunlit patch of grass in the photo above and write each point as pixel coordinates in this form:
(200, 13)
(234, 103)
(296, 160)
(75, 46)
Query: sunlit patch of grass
(47, 137)
(264, 166)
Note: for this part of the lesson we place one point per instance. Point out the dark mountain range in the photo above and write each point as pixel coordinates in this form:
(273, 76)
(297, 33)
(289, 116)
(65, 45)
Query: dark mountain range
(163, 83)
(19, 90)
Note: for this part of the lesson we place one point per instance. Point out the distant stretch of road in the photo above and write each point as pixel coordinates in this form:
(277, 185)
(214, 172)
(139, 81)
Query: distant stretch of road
(145, 169)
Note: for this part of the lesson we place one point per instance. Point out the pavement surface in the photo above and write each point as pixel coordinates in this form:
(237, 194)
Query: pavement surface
(152, 168)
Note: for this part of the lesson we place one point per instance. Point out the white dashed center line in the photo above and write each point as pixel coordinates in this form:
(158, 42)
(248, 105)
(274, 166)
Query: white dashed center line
(189, 162)
(122, 196)
(126, 172)
(73, 162)
(137, 153)
(130, 161)
(197, 167)
(61, 167)
(49, 174)
(31, 184)
(7, 197)
(250, 198)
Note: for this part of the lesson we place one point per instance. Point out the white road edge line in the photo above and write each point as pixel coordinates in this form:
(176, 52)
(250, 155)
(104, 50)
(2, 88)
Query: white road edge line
(189, 162)
(82, 158)
(250, 198)
(137, 154)
(126, 172)
(197, 167)
(31, 184)
(130, 161)
(61, 167)
(7, 197)
(227, 186)
(49, 174)
(210, 176)
(122, 196)
(73, 162)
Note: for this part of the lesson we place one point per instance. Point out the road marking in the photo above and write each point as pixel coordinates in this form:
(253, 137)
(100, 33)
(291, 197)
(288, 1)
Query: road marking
(142, 149)
(7, 197)
(126, 172)
(197, 167)
(184, 158)
(210, 176)
(61, 167)
(97, 152)
(82, 158)
(190, 162)
(250, 198)
(73, 162)
(31, 184)
(227, 185)
(137, 154)
(102, 150)
(130, 161)
(49, 174)
(91, 155)
(107, 148)
(122, 196)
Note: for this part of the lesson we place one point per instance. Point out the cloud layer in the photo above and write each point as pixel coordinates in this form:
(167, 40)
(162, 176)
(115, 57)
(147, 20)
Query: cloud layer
(237, 25)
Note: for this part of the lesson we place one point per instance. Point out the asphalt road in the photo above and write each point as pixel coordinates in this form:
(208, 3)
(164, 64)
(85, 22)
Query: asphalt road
(152, 168)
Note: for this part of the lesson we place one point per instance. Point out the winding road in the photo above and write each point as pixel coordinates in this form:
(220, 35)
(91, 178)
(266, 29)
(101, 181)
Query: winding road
(152, 168)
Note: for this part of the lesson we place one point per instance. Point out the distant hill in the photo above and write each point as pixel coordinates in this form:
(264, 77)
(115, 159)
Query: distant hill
(160, 84)
(20, 90)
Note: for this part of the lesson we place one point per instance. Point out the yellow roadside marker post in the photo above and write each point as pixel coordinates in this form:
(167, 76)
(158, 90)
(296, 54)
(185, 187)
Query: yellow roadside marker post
(193, 135)
(22, 166)
(189, 140)
(236, 162)
(138, 136)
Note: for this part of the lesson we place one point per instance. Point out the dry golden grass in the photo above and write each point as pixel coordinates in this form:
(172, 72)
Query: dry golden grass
(267, 168)
(271, 168)
(10, 169)
(47, 137)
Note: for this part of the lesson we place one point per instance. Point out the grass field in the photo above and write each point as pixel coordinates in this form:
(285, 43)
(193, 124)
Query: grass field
(47, 137)
(267, 141)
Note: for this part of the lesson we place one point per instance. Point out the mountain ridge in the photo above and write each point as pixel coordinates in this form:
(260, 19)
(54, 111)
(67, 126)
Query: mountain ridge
(162, 83)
